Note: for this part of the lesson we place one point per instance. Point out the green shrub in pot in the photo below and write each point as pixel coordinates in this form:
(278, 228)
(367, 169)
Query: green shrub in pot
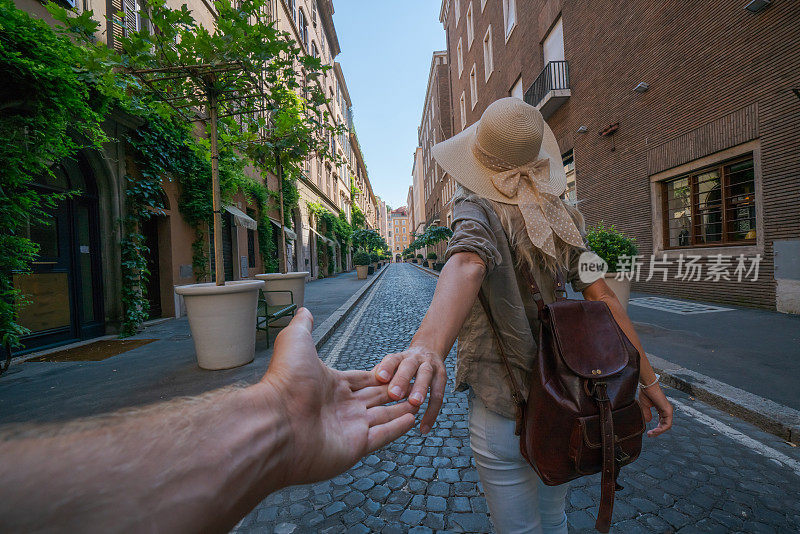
(432, 256)
(609, 243)
(361, 258)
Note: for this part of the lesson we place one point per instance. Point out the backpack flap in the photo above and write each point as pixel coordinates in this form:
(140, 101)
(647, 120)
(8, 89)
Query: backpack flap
(589, 339)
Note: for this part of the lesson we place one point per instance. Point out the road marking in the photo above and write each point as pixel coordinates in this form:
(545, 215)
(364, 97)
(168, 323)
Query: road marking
(333, 357)
(735, 435)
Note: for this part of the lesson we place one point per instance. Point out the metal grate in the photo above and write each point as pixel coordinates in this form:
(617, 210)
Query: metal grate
(675, 306)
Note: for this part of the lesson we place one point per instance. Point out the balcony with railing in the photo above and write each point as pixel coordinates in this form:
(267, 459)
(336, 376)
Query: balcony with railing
(551, 88)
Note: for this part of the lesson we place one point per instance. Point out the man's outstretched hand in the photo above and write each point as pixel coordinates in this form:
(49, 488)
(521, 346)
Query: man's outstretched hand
(337, 417)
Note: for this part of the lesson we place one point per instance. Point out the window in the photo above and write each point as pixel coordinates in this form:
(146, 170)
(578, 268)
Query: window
(473, 87)
(314, 51)
(460, 57)
(712, 206)
(251, 245)
(458, 10)
(293, 9)
(463, 108)
(509, 16)
(483, 4)
(570, 194)
(488, 55)
(314, 13)
(302, 27)
(133, 20)
(553, 45)
(516, 89)
(470, 27)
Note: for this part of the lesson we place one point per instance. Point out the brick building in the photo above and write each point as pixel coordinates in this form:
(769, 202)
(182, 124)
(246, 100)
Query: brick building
(678, 122)
(436, 125)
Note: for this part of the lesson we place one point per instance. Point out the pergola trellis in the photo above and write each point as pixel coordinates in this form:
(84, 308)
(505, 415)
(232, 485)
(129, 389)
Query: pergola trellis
(215, 86)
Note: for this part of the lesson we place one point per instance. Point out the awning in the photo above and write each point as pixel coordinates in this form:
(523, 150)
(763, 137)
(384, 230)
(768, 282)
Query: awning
(328, 241)
(290, 234)
(241, 218)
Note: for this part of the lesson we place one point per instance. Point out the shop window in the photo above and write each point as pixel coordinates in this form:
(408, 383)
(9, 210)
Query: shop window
(712, 206)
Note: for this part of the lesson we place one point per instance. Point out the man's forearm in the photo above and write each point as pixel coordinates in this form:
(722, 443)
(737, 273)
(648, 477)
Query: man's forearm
(162, 468)
(458, 285)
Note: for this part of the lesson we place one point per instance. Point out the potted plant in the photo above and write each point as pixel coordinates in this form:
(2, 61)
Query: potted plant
(431, 258)
(361, 261)
(610, 244)
(419, 259)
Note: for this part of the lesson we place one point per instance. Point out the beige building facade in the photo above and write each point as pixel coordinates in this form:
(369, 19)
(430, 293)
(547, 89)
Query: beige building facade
(76, 291)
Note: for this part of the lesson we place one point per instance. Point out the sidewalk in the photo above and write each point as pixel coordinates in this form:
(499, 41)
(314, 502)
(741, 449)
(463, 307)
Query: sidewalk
(164, 369)
(754, 350)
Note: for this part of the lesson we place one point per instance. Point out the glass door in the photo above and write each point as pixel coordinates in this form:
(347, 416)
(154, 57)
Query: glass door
(48, 314)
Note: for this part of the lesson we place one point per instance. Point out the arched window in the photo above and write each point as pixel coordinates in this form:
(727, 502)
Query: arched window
(302, 27)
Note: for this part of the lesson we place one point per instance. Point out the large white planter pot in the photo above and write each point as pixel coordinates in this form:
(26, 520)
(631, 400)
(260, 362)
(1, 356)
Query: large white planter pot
(621, 288)
(294, 282)
(362, 271)
(223, 322)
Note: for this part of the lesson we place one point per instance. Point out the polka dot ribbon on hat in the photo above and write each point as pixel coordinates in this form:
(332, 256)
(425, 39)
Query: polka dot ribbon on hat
(543, 211)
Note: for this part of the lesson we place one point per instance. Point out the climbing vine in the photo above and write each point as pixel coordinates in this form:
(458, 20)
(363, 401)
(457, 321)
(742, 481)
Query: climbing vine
(51, 107)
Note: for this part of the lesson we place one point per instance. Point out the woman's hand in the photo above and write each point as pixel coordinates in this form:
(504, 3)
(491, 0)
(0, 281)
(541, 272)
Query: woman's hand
(428, 371)
(653, 397)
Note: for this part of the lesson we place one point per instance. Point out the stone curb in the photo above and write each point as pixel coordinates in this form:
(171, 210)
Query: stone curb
(324, 331)
(768, 415)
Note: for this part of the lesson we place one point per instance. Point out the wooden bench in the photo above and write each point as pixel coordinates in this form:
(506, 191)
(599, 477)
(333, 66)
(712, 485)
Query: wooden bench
(268, 314)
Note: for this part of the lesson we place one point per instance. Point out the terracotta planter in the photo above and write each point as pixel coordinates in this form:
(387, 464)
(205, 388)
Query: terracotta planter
(370, 269)
(362, 271)
(294, 282)
(621, 288)
(223, 322)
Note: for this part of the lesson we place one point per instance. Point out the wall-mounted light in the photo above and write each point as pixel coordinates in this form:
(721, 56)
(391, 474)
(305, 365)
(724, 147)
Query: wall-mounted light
(583, 129)
(757, 6)
(641, 87)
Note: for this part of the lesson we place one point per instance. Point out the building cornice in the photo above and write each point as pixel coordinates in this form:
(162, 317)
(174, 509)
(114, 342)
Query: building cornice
(325, 8)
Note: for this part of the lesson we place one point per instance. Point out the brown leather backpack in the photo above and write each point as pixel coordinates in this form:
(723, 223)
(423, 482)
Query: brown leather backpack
(581, 416)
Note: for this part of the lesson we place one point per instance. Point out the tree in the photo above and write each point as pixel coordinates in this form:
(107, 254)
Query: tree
(245, 70)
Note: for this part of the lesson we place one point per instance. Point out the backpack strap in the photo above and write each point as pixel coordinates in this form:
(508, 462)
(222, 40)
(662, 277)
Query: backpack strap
(516, 392)
(608, 481)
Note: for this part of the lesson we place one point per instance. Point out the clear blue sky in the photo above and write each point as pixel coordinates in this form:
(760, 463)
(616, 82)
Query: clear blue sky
(386, 56)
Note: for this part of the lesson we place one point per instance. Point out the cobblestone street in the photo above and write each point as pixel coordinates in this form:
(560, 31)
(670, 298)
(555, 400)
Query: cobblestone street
(710, 473)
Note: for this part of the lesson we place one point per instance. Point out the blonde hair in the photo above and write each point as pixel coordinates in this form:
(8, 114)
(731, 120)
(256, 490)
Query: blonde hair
(526, 253)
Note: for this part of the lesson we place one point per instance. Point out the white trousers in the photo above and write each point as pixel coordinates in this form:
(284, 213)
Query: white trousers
(519, 502)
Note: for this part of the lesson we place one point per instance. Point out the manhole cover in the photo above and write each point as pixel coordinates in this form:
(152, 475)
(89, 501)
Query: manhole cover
(675, 306)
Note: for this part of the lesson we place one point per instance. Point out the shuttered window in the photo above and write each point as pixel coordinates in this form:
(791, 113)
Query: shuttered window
(126, 20)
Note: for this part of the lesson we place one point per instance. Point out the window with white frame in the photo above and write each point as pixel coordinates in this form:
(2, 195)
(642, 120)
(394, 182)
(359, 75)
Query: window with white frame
(516, 89)
(302, 27)
(509, 16)
(133, 19)
(473, 87)
(460, 57)
(463, 108)
(314, 13)
(483, 4)
(457, 6)
(293, 9)
(470, 27)
(488, 54)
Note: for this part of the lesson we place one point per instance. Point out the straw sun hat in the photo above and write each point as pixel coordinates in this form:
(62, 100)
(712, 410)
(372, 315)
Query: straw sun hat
(511, 156)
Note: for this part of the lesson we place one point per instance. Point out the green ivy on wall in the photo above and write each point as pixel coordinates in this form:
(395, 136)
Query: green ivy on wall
(52, 107)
